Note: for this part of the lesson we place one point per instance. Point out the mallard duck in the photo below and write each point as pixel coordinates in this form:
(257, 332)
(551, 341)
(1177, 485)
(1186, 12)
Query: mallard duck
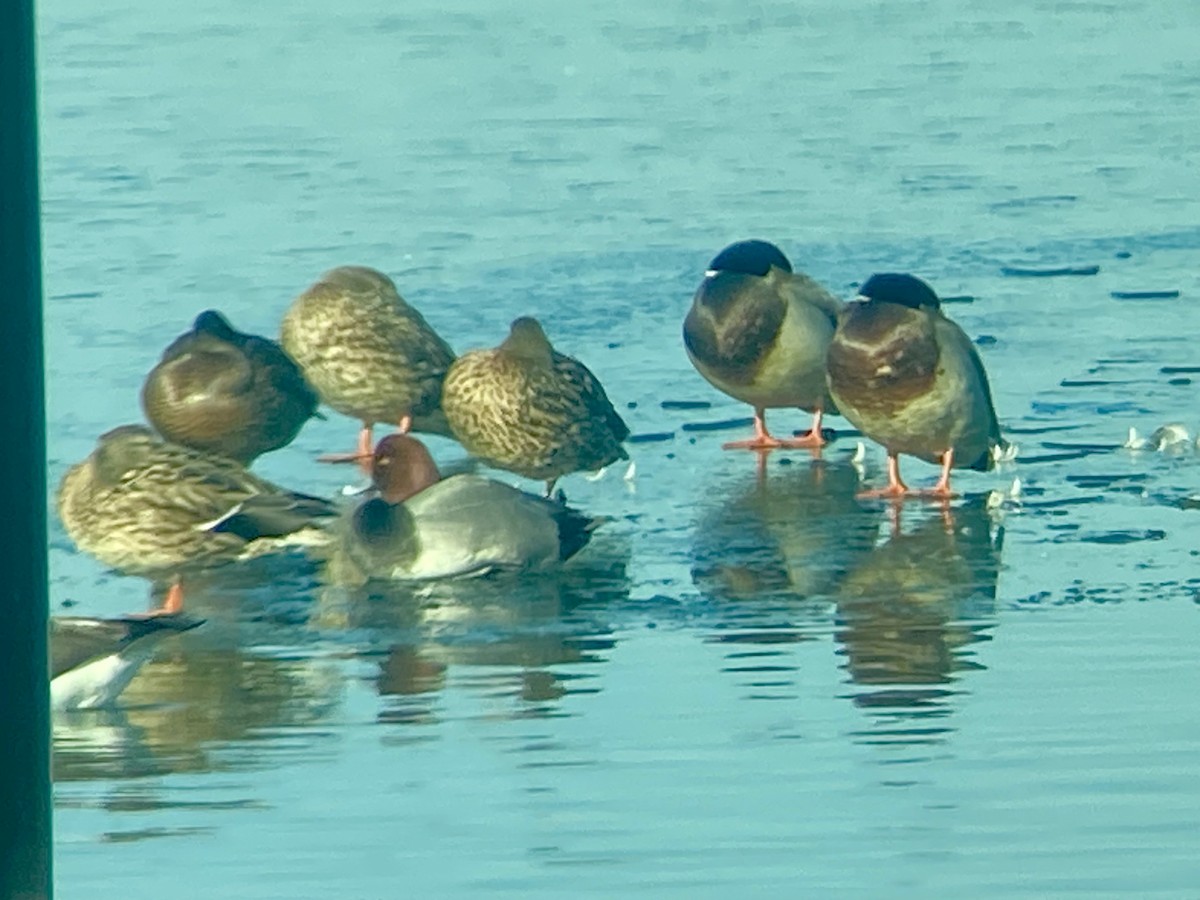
(423, 527)
(758, 331)
(529, 409)
(368, 354)
(144, 506)
(93, 660)
(909, 378)
(222, 391)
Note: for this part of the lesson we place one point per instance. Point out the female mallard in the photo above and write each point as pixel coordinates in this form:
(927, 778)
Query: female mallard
(144, 506)
(222, 391)
(368, 354)
(93, 660)
(423, 526)
(527, 408)
(909, 378)
(758, 331)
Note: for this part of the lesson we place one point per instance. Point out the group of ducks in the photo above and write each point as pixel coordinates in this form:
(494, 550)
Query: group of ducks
(164, 500)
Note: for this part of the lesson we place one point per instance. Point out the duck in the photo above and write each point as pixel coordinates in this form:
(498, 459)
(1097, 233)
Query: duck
(529, 409)
(368, 354)
(758, 331)
(421, 526)
(222, 391)
(910, 379)
(92, 660)
(145, 506)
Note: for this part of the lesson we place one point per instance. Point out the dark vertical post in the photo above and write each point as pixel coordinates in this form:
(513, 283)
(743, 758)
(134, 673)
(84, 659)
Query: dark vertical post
(24, 691)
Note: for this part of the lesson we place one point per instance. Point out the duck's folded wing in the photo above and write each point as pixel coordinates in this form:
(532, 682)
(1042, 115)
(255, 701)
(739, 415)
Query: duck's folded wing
(272, 515)
(467, 524)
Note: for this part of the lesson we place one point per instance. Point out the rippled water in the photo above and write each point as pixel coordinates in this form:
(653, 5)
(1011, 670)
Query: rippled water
(751, 683)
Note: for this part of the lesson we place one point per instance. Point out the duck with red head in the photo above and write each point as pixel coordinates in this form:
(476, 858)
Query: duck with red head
(909, 378)
(422, 526)
(402, 467)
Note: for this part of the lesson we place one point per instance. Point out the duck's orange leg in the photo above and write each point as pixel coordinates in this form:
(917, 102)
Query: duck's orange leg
(173, 601)
(362, 455)
(897, 490)
(764, 440)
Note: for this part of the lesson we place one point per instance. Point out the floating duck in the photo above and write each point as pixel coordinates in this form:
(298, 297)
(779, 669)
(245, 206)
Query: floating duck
(368, 354)
(529, 409)
(759, 331)
(909, 378)
(144, 506)
(222, 391)
(423, 526)
(93, 660)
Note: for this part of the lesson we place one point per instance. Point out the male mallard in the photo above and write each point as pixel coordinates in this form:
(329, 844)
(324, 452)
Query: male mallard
(758, 331)
(527, 408)
(222, 391)
(368, 354)
(93, 660)
(423, 526)
(145, 506)
(909, 378)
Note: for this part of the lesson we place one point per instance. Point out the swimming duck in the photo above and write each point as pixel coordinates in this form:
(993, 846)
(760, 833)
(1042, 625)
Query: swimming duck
(529, 409)
(368, 354)
(222, 391)
(93, 660)
(423, 527)
(142, 505)
(909, 378)
(758, 331)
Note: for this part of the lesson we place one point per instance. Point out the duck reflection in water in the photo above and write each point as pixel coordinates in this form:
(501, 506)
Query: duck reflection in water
(503, 637)
(909, 611)
(787, 535)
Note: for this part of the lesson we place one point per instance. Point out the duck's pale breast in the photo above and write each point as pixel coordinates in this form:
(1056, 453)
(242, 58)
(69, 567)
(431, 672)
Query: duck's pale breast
(769, 352)
(906, 380)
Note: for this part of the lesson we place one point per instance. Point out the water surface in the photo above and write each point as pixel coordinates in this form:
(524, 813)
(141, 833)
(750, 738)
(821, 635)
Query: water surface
(751, 683)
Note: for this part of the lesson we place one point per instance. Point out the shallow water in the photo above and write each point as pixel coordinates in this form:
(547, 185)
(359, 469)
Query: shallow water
(748, 684)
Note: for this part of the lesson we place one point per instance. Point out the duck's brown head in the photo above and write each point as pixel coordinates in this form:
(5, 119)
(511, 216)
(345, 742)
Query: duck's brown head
(402, 467)
(527, 341)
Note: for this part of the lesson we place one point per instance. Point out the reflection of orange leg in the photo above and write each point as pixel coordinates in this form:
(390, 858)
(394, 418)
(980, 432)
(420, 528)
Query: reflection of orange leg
(764, 440)
(362, 455)
(760, 467)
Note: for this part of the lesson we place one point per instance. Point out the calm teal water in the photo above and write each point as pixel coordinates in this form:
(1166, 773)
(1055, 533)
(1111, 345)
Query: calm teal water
(750, 684)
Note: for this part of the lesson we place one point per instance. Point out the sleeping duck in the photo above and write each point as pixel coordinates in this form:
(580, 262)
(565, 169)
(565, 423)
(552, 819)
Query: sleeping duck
(222, 391)
(144, 506)
(529, 409)
(909, 378)
(423, 526)
(758, 331)
(368, 354)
